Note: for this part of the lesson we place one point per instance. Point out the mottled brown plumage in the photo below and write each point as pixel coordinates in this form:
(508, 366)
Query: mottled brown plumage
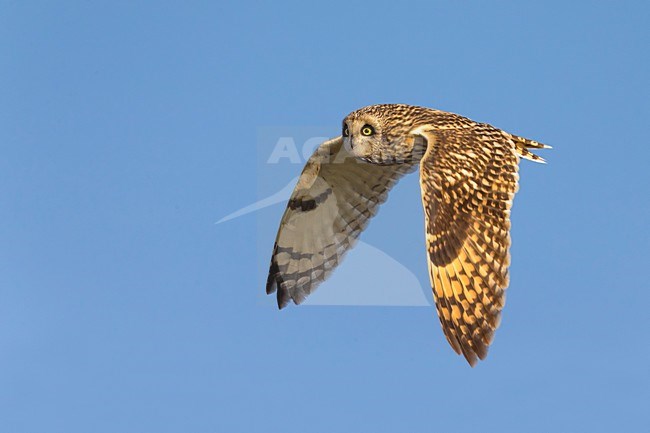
(468, 178)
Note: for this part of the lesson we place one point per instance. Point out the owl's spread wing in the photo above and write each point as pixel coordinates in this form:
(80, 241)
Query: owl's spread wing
(468, 178)
(334, 199)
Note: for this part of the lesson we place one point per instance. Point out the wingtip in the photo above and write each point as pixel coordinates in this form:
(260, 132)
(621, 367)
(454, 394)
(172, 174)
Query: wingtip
(271, 284)
(470, 357)
(283, 297)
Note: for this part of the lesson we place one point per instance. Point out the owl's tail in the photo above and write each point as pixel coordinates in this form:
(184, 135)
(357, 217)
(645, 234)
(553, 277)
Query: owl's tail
(523, 144)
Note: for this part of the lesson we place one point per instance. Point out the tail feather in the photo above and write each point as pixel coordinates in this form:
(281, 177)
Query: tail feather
(523, 144)
(532, 144)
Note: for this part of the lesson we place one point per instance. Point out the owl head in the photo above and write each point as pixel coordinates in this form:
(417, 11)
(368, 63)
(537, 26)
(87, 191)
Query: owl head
(380, 134)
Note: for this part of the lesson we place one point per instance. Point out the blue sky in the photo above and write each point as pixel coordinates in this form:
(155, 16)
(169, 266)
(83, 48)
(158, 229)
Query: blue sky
(127, 130)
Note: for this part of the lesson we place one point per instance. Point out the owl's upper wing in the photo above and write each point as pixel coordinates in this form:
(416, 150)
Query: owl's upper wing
(334, 199)
(468, 178)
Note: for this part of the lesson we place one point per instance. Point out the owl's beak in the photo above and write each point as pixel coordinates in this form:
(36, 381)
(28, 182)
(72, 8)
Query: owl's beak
(347, 142)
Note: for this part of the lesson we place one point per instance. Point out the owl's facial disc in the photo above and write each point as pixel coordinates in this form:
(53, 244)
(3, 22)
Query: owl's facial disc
(361, 136)
(366, 139)
(361, 146)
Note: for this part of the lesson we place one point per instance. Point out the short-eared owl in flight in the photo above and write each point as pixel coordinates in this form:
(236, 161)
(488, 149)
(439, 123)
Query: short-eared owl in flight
(468, 178)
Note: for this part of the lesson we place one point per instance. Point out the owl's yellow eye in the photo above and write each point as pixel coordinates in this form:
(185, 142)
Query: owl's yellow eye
(367, 130)
(346, 131)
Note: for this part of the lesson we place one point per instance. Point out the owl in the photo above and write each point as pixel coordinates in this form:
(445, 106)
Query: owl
(468, 179)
